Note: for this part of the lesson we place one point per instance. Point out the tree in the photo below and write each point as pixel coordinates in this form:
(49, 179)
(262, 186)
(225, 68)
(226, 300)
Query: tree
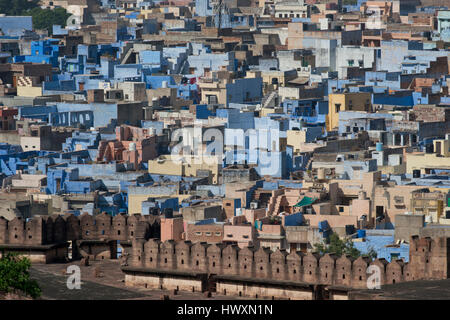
(44, 19)
(372, 254)
(14, 275)
(340, 247)
(17, 7)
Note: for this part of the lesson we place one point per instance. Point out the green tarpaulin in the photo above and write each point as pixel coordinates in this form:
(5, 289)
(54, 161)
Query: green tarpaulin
(306, 201)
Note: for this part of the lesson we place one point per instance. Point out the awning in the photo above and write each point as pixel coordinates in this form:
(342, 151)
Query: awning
(306, 201)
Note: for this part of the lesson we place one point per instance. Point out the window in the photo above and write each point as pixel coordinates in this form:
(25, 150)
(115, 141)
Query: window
(395, 256)
(245, 236)
(212, 99)
(198, 233)
(208, 234)
(218, 234)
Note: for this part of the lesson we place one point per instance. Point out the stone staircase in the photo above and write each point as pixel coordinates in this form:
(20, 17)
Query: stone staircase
(128, 50)
(268, 99)
(24, 82)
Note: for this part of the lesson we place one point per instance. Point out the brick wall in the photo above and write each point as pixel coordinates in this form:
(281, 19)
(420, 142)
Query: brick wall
(428, 260)
(58, 229)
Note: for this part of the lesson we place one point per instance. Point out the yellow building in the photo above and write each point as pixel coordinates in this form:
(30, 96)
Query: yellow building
(273, 77)
(442, 147)
(213, 92)
(430, 204)
(296, 138)
(264, 112)
(26, 91)
(186, 166)
(425, 162)
(351, 101)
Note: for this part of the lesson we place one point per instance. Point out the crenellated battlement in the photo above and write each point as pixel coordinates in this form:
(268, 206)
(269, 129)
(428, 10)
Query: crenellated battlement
(328, 269)
(58, 229)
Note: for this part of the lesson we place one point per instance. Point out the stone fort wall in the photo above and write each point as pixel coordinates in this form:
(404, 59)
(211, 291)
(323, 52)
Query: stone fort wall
(428, 260)
(58, 229)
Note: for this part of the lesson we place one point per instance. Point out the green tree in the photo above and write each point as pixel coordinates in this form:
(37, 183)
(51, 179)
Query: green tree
(372, 254)
(340, 247)
(14, 275)
(17, 7)
(44, 19)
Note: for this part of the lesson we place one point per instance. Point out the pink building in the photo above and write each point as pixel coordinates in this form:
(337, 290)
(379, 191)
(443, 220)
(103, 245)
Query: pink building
(172, 229)
(243, 235)
(132, 145)
(254, 214)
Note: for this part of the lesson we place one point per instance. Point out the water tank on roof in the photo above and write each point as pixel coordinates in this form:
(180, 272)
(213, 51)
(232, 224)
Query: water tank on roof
(132, 147)
(429, 148)
(361, 233)
(254, 205)
(416, 173)
(165, 84)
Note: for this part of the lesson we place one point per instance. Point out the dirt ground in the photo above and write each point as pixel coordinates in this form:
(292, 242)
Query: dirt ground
(101, 280)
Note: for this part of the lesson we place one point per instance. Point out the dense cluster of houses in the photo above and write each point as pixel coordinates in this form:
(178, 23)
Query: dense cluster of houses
(260, 123)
